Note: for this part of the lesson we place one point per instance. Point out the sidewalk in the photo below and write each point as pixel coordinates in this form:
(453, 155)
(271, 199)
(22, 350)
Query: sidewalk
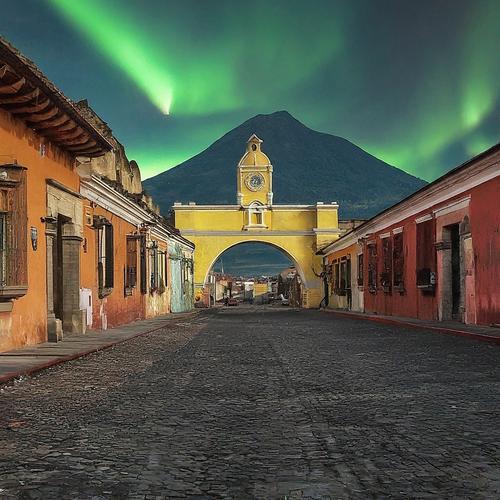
(31, 359)
(481, 333)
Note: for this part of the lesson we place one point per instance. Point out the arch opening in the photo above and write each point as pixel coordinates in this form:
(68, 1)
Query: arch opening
(244, 270)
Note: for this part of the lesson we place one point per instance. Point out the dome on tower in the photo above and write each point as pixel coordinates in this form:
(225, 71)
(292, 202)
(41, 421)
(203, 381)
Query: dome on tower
(253, 156)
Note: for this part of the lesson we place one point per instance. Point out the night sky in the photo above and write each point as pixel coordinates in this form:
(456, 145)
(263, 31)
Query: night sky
(416, 83)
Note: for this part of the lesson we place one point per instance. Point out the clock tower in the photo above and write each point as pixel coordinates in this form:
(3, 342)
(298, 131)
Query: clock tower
(255, 176)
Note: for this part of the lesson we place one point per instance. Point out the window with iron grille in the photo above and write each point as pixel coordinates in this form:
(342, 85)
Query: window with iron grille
(105, 257)
(426, 254)
(386, 274)
(165, 268)
(153, 266)
(372, 267)
(360, 270)
(131, 265)
(343, 272)
(336, 273)
(143, 264)
(158, 268)
(13, 232)
(348, 273)
(398, 260)
(162, 268)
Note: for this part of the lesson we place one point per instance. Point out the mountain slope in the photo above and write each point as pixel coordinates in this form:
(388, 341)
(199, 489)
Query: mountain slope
(309, 166)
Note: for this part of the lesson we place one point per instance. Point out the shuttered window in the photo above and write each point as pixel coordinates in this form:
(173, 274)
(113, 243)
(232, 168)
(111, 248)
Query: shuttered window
(157, 268)
(343, 274)
(426, 254)
(360, 270)
(398, 260)
(13, 232)
(336, 268)
(386, 274)
(143, 264)
(161, 271)
(153, 266)
(348, 273)
(131, 265)
(372, 267)
(105, 257)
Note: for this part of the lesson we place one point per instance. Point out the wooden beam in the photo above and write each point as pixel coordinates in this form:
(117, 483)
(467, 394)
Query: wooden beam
(87, 146)
(20, 98)
(41, 117)
(31, 108)
(12, 88)
(3, 70)
(93, 153)
(56, 122)
(74, 133)
(96, 153)
(69, 125)
(79, 141)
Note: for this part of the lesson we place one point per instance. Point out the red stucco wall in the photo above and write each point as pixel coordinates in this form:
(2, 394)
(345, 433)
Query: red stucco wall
(484, 216)
(485, 229)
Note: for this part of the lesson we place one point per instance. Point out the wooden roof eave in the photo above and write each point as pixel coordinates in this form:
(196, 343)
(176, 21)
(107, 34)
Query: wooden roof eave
(86, 146)
(3, 70)
(31, 83)
(41, 117)
(23, 98)
(53, 130)
(94, 153)
(30, 108)
(73, 133)
(12, 88)
(79, 141)
(56, 122)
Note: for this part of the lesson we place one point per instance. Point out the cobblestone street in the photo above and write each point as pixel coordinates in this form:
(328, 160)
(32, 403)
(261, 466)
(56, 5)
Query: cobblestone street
(260, 403)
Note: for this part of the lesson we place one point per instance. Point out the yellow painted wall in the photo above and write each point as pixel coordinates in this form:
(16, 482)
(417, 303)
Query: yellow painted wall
(234, 219)
(259, 289)
(300, 248)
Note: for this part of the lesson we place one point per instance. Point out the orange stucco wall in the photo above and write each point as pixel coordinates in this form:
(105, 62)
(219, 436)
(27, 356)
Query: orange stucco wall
(340, 301)
(27, 322)
(115, 309)
(350, 250)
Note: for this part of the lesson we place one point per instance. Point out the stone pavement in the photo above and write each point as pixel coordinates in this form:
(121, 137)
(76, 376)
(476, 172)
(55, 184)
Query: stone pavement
(31, 359)
(477, 332)
(260, 403)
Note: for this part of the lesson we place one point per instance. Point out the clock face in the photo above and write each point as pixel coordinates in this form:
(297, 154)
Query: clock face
(255, 182)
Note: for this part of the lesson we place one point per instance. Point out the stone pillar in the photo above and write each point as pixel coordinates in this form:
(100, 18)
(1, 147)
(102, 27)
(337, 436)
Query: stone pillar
(73, 317)
(54, 326)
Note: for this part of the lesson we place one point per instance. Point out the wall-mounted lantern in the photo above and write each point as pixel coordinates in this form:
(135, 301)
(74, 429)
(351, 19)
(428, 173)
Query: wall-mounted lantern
(34, 238)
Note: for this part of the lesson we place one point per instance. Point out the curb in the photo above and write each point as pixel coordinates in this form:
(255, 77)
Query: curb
(70, 357)
(481, 337)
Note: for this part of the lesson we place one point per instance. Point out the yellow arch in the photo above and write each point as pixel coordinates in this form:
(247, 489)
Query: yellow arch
(274, 245)
(299, 246)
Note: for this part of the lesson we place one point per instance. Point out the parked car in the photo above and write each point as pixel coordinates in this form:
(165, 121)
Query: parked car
(232, 302)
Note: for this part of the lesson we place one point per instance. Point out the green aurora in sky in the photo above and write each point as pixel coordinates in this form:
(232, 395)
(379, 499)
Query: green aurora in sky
(415, 85)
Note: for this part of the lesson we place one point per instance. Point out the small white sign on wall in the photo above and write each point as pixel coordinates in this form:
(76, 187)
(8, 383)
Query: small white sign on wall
(86, 304)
